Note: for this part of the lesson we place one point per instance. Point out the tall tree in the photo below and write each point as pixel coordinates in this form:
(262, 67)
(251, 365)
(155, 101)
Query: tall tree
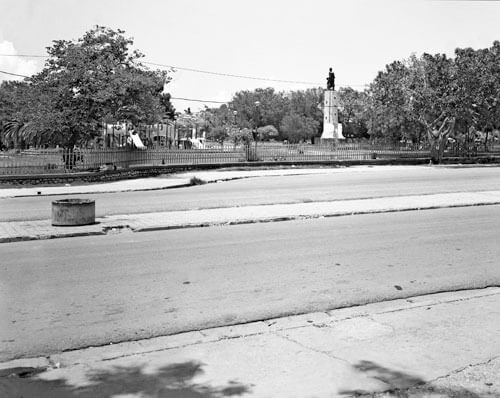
(390, 118)
(295, 128)
(353, 115)
(478, 75)
(433, 94)
(307, 104)
(259, 108)
(93, 79)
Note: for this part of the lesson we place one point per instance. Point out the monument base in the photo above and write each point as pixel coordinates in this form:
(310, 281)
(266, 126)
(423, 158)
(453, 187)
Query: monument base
(332, 132)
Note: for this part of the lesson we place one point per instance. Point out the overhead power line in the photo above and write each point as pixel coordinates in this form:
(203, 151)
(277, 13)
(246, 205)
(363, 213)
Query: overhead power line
(199, 100)
(191, 70)
(175, 98)
(12, 74)
(24, 55)
(230, 74)
(206, 72)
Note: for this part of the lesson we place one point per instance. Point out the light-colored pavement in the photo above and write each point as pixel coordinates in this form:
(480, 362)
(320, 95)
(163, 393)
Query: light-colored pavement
(65, 294)
(182, 179)
(342, 184)
(444, 345)
(168, 181)
(441, 346)
(42, 229)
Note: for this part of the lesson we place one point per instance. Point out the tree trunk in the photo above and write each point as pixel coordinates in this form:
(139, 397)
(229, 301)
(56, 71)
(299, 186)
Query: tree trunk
(438, 139)
(434, 147)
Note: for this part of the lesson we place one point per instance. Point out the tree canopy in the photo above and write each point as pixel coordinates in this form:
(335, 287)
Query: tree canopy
(437, 97)
(427, 99)
(86, 82)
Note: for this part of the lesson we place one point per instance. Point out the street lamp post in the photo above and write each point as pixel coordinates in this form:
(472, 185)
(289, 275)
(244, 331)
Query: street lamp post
(234, 118)
(256, 121)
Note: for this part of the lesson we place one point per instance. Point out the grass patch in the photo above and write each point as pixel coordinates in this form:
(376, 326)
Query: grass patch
(196, 181)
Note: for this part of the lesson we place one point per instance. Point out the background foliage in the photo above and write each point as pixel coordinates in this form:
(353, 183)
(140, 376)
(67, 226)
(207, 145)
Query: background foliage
(423, 100)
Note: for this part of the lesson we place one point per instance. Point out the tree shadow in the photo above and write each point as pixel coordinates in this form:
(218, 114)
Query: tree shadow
(172, 381)
(402, 385)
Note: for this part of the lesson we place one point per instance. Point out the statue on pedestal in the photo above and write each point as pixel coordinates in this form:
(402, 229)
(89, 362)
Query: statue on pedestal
(330, 80)
(332, 129)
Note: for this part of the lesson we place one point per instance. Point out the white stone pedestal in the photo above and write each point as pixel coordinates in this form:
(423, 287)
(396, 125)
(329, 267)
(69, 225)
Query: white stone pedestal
(331, 116)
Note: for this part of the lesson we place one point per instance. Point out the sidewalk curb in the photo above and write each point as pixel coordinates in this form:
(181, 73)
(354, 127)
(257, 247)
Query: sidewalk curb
(111, 225)
(111, 351)
(48, 237)
(35, 191)
(300, 217)
(180, 185)
(148, 171)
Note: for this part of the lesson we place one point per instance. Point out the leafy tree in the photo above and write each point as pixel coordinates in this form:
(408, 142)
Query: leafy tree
(266, 107)
(307, 102)
(218, 117)
(434, 99)
(219, 134)
(353, 115)
(295, 128)
(419, 95)
(478, 75)
(437, 97)
(259, 108)
(267, 132)
(167, 108)
(93, 79)
(22, 101)
(308, 105)
(12, 94)
(239, 136)
(390, 118)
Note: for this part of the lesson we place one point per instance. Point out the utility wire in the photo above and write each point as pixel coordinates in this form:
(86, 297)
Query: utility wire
(176, 98)
(205, 72)
(24, 55)
(194, 70)
(230, 74)
(199, 100)
(12, 74)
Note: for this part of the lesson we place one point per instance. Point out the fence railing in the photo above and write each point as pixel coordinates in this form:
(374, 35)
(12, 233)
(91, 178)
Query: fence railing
(44, 161)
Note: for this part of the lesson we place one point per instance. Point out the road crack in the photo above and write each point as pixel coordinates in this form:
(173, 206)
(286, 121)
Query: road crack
(462, 369)
(327, 354)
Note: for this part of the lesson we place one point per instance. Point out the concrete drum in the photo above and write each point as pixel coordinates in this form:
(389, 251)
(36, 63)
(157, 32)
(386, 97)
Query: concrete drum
(73, 212)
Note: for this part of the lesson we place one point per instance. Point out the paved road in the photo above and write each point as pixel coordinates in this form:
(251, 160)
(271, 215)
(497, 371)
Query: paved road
(349, 183)
(70, 293)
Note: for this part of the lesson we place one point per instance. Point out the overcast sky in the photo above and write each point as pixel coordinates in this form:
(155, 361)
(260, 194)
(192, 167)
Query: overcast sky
(296, 40)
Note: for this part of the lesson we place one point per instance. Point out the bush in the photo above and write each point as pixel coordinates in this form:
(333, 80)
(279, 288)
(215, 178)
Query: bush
(196, 181)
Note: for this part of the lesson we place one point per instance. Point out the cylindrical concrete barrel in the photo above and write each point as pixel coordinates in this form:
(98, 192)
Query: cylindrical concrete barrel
(71, 212)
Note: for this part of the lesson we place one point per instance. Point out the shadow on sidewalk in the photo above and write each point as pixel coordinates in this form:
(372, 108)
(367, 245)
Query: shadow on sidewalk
(402, 385)
(172, 381)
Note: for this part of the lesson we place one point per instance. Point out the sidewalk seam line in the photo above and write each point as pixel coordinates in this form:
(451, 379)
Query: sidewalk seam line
(331, 356)
(459, 370)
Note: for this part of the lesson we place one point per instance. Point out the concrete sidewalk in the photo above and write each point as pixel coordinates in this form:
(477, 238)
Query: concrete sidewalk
(42, 229)
(182, 179)
(163, 182)
(440, 345)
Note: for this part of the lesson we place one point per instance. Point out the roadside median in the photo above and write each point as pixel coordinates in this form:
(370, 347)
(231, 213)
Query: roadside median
(42, 229)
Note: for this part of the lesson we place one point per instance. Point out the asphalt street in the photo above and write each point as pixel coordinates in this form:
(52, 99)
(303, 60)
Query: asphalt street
(352, 183)
(69, 293)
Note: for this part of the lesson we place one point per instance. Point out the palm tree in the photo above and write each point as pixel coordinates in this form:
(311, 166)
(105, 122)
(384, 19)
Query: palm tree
(24, 133)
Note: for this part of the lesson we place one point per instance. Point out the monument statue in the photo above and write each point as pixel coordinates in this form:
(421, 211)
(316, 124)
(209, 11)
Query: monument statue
(332, 129)
(330, 80)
